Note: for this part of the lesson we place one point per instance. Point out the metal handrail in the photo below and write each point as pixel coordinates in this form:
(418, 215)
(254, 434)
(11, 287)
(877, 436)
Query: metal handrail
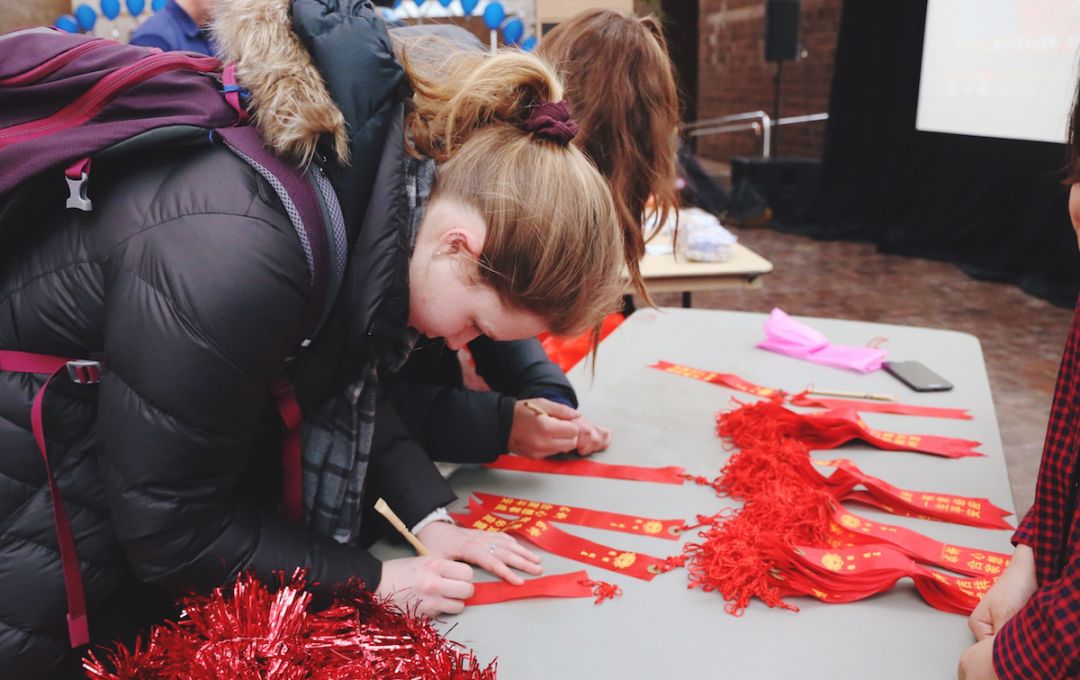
(749, 115)
(758, 121)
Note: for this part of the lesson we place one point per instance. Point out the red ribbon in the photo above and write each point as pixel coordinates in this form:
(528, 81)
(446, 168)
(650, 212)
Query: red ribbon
(804, 399)
(596, 519)
(587, 468)
(543, 534)
(846, 575)
(576, 584)
(921, 548)
(970, 511)
(732, 381)
(729, 380)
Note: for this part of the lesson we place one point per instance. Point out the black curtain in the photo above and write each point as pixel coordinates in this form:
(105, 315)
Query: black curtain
(996, 207)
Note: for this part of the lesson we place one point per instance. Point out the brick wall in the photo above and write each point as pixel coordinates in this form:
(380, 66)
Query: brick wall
(16, 14)
(733, 76)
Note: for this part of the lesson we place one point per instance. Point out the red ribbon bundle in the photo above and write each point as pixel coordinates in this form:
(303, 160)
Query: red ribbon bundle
(783, 457)
(850, 530)
(851, 574)
(790, 509)
(976, 512)
(254, 632)
(831, 429)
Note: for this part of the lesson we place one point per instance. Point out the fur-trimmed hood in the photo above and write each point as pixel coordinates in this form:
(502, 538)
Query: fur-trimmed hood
(326, 87)
(292, 106)
(324, 83)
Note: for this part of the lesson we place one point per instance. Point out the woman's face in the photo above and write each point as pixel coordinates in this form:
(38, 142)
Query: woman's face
(445, 300)
(1074, 209)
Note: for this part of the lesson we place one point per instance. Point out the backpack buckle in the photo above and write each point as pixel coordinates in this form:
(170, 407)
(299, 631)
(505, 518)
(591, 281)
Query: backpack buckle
(84, 371)
(76, 175)
(77, 194)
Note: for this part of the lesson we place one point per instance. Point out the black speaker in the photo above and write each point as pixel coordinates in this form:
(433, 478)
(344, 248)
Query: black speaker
(790, 183)
(781, 30)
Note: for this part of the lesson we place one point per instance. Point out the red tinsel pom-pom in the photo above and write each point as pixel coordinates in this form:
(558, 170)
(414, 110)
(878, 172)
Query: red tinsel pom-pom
(254, 633)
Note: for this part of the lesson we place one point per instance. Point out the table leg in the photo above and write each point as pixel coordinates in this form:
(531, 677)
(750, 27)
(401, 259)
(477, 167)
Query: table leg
(686, 300)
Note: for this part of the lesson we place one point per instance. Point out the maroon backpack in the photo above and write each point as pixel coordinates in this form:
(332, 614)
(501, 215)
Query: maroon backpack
(64, 98)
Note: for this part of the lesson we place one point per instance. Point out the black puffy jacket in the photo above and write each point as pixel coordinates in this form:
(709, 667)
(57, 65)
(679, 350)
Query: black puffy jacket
(459, 425)
(189, 279)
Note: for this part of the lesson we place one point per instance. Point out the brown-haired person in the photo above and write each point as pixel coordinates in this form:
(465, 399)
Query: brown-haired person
(1028, 624)
(190, 281)
(621, 87)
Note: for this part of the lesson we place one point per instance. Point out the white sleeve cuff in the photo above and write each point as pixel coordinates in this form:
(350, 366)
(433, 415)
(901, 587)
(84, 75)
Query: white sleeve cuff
(438, 515)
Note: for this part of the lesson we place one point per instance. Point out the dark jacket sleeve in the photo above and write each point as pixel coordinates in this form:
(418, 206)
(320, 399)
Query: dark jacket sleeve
(521, 368)
(455, 425)
(401, 473)
(466, 426)
(197, 327)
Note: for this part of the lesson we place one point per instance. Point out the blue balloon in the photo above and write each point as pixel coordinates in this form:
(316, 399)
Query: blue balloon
(467, 6)
(86, 16)
(397, 3)
(67, 23)
(158, 5)
(110, 8)
(529, 44)
(513, 31)
(445, 3)
(136, 7)
(494, 15)
(418, 2)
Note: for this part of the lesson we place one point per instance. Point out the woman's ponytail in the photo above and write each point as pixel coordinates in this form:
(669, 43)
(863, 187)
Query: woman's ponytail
(500, 131)
(475, 90)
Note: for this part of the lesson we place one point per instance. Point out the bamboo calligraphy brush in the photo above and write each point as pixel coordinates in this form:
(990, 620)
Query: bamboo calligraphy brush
(383, 509)
(534, 408)
(853, 395)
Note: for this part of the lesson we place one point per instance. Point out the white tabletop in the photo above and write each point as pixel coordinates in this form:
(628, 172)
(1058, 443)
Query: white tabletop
(660, 629)
(671, 273)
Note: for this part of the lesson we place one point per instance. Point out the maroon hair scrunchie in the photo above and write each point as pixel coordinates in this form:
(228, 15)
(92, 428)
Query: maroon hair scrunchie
(551, 120)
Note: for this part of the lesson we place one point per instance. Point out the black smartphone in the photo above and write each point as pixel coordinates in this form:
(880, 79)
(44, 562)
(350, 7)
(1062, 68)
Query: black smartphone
(916, 376)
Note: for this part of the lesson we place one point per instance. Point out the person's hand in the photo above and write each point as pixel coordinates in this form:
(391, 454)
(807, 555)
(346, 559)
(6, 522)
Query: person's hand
(535, 435)
(432, 584)
(1011, 592)
(591, 437)
(977, 662)
(490, 550)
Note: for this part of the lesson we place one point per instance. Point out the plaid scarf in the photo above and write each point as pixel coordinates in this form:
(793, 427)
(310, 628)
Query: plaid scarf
(337, 437)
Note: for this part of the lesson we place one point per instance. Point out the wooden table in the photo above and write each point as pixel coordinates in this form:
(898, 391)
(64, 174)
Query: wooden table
(673, 274)
(660, 629)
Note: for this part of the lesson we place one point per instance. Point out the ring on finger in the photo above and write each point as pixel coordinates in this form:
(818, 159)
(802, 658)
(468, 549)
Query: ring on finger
(491, 548)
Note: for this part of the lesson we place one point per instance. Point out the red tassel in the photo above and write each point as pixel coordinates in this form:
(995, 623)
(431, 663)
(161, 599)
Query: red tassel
(602, 590)
(256, 634)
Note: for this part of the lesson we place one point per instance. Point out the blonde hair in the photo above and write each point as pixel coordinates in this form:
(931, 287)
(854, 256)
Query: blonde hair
(553, 244)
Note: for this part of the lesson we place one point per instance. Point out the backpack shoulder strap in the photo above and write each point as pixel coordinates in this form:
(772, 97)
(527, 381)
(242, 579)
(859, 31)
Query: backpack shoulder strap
(305, 200)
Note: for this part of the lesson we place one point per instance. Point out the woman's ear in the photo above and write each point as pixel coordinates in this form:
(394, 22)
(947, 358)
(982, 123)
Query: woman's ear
(460, 241)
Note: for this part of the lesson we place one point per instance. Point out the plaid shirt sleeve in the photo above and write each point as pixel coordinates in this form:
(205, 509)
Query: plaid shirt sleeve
(1043, 639)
